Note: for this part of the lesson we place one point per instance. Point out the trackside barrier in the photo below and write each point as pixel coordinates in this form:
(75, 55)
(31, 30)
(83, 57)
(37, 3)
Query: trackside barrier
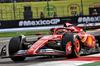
(29, 28)
(47, 23)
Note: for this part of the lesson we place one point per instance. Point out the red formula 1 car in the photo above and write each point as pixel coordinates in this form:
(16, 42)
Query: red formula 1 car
(69, 41)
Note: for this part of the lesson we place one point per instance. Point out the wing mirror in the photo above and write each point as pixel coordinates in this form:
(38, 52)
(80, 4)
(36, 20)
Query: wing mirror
(38, 34)
(72, 29)
(68, 28)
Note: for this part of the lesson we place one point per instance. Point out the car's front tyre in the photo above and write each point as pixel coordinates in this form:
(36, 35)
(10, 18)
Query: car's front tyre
(14, 46)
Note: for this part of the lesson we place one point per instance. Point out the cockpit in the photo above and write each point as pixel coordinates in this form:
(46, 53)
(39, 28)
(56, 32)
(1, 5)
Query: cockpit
(58, 31)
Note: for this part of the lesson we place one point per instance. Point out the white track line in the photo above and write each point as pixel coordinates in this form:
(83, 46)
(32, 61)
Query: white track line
(61, 63)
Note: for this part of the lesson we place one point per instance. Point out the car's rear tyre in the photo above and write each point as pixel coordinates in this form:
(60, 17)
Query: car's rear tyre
(72, 43)
(14, 46)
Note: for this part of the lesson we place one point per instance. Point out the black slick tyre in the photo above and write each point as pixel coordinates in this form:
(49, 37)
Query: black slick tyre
(14, 46)
(75, 44)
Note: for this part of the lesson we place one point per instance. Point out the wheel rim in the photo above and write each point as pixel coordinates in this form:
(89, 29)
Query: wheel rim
(77, 45)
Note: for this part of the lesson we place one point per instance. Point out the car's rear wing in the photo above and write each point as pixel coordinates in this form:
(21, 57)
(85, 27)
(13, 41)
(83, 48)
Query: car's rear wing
(89, 25)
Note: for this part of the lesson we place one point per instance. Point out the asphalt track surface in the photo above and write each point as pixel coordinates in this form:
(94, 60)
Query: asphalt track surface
(45, 60)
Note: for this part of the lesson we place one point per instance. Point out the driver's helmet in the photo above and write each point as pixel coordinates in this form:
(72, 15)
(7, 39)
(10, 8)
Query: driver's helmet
(61, 31)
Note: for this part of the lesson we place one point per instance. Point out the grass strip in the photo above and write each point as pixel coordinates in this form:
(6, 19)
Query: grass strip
(92, 64)
(26, 33)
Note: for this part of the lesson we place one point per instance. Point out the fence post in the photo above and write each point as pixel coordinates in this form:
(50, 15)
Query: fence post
(19, 14)
(37, 11)
(6, 15)
(63, 10)
(1, 14)
(82, 6)
(67, 11)
(14, 9)
(11, 15)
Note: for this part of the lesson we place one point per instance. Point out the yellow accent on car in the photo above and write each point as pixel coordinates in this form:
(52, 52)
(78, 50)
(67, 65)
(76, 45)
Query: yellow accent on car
(76, 53)
(89, 40)
(39, 41)
(84, 38)
(81, 30)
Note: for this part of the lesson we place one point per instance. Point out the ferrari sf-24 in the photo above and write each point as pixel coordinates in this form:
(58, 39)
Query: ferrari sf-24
(69, 41)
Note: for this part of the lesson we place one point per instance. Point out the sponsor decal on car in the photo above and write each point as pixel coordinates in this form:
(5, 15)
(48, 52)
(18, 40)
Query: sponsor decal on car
(46, 51)
(94, 24)
(89, 24)
(43, 50)
(21, 52)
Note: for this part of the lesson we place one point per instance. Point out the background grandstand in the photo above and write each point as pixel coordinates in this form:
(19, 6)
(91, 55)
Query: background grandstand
(14, 10)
